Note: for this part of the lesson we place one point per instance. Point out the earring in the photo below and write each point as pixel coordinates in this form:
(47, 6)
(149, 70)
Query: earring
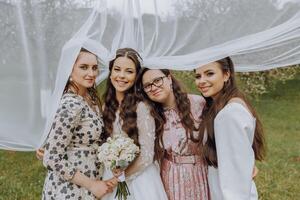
(70, 79)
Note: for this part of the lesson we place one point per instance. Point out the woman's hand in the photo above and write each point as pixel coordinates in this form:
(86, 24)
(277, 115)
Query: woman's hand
(254, 172)
(113, 182)
(100, 188)
(39, 154)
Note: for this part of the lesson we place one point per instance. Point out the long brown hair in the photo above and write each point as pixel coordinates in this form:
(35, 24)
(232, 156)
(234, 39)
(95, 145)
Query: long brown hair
(129, 103)
(157, 111)
(213, 107)
(92, 91)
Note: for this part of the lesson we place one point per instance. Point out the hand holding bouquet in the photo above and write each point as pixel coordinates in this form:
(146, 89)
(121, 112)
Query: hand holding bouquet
(117, 153)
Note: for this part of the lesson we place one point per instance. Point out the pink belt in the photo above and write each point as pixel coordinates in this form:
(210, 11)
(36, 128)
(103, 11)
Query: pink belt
(192, 159)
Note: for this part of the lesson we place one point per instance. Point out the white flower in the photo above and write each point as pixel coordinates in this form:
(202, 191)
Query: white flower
(118, 151)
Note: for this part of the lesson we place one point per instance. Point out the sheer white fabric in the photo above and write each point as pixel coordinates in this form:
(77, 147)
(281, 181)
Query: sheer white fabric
(40, 41)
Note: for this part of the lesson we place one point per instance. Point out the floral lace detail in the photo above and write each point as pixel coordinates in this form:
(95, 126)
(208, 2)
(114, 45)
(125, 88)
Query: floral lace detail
(146, 128)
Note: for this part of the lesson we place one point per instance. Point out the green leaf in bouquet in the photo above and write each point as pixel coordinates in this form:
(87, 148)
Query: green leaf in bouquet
(122, 164)
(113, 164)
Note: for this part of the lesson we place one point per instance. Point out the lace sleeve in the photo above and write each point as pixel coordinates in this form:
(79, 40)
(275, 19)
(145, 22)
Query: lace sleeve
(66, 119)
(146, 127)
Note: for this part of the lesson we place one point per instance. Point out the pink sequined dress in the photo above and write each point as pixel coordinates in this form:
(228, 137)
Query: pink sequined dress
(183, 170)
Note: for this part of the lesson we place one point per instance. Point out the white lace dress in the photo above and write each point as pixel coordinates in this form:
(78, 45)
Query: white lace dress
(144, 180)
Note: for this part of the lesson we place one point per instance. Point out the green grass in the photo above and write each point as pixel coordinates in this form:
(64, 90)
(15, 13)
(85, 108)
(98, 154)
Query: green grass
(22, 175)
(280, 174)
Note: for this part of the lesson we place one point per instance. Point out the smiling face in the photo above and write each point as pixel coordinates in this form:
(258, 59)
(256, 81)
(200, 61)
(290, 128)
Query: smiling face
(85, 71)
(157, 85)
(210, 79)
(123, 74)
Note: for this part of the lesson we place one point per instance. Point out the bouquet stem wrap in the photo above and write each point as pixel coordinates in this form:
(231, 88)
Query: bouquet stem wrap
(122, 188)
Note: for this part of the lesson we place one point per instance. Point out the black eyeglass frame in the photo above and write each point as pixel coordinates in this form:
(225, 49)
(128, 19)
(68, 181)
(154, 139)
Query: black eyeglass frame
(158, 84)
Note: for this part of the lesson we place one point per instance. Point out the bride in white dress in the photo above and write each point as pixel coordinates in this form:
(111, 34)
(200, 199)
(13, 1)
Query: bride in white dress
(125, 114)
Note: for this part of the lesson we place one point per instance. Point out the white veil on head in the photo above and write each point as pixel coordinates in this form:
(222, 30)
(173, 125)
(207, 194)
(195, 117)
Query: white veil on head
(174, 34)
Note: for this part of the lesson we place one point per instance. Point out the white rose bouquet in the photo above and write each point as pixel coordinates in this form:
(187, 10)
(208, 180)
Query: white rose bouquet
(117, 153)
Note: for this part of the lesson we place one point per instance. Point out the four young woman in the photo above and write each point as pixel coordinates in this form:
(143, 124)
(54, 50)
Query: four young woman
(183, 133)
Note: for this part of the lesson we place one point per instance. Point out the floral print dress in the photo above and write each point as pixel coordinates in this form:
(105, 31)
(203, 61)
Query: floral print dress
(183, 178)
(71, 146)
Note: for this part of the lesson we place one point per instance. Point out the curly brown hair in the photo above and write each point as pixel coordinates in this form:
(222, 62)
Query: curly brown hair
(213, 107)
(129, 103)
(91, 91)
(183, 105)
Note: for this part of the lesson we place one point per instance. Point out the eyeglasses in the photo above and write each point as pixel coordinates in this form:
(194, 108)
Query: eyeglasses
(158, 82)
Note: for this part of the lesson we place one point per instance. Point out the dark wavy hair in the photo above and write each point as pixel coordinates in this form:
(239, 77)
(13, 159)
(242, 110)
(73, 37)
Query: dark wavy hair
(92, 91)
(183, 105)
(213, 107)
(129, 103)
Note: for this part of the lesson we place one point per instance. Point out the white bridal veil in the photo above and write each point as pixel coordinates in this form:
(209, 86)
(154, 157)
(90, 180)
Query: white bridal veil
(40, 40)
